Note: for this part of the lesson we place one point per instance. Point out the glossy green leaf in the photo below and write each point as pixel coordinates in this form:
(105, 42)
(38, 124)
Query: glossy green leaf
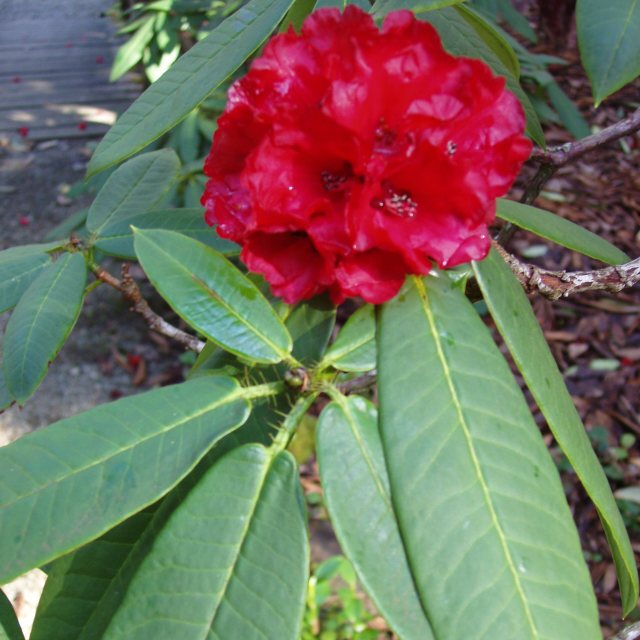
(116, 239)
(68, 225)
(137, 186)
(609, 39)
(19, 267)
(130, 53)
(521, 331)
(417, 6)
(191, 79)
(214, 297)
(231, 561)
(99, 467)
(356, 491)
(563, 232)
(482, 512)
(461, 36)
(41, 323)
(9, 626)
(355, 346)
(310, 325)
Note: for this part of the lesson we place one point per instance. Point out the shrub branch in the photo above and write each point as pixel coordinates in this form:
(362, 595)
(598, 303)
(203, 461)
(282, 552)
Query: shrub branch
(558, 284)
(130, 291)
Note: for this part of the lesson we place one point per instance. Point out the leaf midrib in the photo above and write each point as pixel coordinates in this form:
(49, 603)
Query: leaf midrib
(616, 48)
(218, 300)
(44, 299)
(235, 394)
(455, 400)
(128, 195)
(242, 540)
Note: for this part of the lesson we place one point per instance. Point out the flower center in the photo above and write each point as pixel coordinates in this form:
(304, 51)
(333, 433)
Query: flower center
(336, 180)
(395, 202)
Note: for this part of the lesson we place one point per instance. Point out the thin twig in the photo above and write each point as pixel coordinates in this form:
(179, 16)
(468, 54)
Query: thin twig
(555, 157)
(131, 293)
(565, 153)
(558, 284)
(360, 383)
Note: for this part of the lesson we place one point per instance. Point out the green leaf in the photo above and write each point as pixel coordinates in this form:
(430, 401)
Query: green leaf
(6, 399)
(9, 626)
(567, 110)
(68, 225)
(609, 39)
(521, 331)
(356, 490)
(116, 239)
(231, 561)
(341, 4)
(191, 79)
(97, 468)
(79, 581)
(134, 188)
(41, 323)
(417, 6)
(355, 346)
(481, 509)
(86, 587)
(563, 232)
(300, 9)
(310, 325)
(130, 53)
(461, 36)
(19, 267)
(214, 297)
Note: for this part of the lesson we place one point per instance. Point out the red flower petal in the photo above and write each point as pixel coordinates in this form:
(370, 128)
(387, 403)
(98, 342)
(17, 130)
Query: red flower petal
(23, 132)
(349, 156)
(290, 263)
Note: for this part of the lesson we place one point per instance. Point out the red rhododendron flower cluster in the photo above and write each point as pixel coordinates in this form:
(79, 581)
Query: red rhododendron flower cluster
(350, 156)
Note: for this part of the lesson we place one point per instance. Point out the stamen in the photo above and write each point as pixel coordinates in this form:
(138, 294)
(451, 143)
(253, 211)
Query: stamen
(394, 202)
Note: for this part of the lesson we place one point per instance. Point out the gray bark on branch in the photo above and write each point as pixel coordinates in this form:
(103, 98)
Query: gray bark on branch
(559, 284)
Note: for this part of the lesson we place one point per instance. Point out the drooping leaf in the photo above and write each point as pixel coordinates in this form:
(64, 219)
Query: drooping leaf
(99, 467)
(521, 331)
(231, 561)
(212, 295)
(134, 188)
(194, 76)
(355, 346)
(557, 229)
(116, 239)
(130, 53)
(19, 267)
(356, 490)
(481, 509)
(9, 625)
(41, 323)
(460, 37)
(609, 39)
(68, 225)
